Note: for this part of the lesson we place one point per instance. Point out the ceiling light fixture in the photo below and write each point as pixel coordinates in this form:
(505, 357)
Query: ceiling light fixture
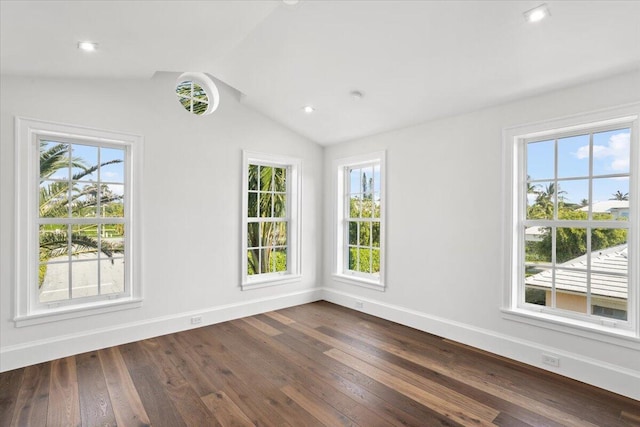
(356, 95)
(290, 2)
(88, 46)
(537, 14)
(308, 109)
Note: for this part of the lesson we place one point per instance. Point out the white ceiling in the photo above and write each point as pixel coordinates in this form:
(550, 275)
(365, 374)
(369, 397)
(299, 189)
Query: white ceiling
(413, 60)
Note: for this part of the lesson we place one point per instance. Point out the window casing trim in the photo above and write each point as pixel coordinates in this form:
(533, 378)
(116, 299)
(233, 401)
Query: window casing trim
(619, 337)
(294, 206)
(340, 273)
(514, 204)
(27, 310)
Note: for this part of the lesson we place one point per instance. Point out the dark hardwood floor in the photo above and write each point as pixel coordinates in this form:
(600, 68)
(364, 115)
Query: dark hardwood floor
(315, 364)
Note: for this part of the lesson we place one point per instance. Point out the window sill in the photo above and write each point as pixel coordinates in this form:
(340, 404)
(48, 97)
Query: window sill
(76, 311)
(359, 281)
(273, 281)
(621, 337)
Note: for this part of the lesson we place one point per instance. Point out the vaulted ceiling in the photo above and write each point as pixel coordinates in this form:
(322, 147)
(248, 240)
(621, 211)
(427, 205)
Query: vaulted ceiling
(412, 60)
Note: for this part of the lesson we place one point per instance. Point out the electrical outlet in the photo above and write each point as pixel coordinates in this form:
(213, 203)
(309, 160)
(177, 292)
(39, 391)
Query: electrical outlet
(550, 360)
(196, 319)
(359, 304)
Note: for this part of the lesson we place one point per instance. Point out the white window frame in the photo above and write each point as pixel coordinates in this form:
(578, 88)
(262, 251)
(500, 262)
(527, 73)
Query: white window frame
(207, 84)
(293, 217)
(625, 333)
(341, 232)
(27, 308)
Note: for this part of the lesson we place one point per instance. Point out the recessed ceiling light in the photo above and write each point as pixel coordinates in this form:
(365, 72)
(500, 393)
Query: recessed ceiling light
(356, 95)
(290, 2)
(537, 14)
(308, 109)
(87, 46)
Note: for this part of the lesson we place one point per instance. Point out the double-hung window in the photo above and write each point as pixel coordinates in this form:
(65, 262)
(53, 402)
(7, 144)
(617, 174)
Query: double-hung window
(360, 220)
(573, 221)
(75, 229)
(271, 226)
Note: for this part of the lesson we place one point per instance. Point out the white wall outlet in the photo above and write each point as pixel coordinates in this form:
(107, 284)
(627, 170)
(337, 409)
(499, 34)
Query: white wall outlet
(196, 319)
(550, 360)
(359, 304)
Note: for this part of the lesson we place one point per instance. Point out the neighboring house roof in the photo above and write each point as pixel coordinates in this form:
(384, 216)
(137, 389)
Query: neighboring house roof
(605, 282)
(607, 206)
(534, 231)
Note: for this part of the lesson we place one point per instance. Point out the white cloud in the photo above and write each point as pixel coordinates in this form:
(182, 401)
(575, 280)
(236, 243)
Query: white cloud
(583, 152)
(617, 149)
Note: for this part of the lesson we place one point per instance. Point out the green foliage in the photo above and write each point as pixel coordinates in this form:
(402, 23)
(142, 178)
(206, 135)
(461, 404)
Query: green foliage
(543, 206)
(571, 242)
(57, 157)
(535, 296)
(277, 262)
(535, 252)
(60, 199)
(267, 198)
(42, 272)
(192, 97)
(56, 243)
(360, 259)
(619, 195)
(364, 229)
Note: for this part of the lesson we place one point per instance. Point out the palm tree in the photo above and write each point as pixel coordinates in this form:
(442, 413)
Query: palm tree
(54, 158)
(618, 195)
(531, 188)
(58, 199)
(544, 198)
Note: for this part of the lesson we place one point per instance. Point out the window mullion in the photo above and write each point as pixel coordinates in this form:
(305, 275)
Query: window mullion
(371, 244)
(99, 254)
(69, 181)
(590, 220)
(99, 214)
(346, 250)
(553, 266)
(191, 84)
(589, 271)
(555, 180)
(554, 229)
(590, 193)
(70, 260)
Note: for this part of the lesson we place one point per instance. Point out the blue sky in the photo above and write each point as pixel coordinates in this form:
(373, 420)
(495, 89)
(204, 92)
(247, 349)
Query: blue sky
(370, 171)
(610, 157)
(89, 155)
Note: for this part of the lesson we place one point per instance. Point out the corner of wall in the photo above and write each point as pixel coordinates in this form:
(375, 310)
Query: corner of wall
(30, 353)
(607, 376)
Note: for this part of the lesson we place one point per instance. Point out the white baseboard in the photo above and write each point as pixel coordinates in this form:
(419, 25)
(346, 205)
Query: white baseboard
(595, 372)
(30, 353)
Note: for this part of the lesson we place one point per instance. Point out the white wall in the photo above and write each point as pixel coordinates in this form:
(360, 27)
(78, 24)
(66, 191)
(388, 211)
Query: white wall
(445, 279)
(191, 202)
(444, 211)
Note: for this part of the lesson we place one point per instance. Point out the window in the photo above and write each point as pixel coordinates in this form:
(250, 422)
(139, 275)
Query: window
(197, 93)
(573, 221)
(76, 236)
(271, 226)
(360, 220)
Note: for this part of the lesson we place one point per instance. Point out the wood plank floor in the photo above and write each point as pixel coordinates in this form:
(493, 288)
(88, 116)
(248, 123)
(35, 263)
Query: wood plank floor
(311, 365)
